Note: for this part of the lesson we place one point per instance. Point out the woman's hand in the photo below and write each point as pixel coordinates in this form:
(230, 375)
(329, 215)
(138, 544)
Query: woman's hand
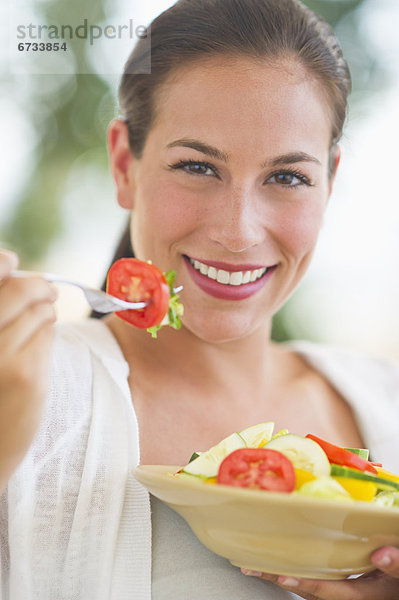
(26, 333)
(381, 584)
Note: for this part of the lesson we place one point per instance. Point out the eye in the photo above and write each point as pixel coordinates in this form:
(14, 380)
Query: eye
(194, 167)
(289, 178)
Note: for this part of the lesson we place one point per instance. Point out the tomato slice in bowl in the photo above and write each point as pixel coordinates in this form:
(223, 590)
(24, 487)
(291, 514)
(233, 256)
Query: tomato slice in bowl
(138, 281)
(257, 468)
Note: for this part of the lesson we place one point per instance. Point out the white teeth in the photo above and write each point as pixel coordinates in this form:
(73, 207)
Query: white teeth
(212, 273)
(203, 268)
(236, 278)
(223, 276)
(228, 277)
(256, 274)
(246, 277)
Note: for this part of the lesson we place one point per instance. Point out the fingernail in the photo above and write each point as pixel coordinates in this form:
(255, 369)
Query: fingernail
(288, 581)
(385, 561)
(251, 573)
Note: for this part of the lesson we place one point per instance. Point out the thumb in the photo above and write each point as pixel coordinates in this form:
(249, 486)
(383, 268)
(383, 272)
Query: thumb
(387, 560)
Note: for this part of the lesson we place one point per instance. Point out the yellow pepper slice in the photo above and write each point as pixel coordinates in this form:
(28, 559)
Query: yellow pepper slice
(358, 489)
(387, 474)
(302, 477)
(211, 480)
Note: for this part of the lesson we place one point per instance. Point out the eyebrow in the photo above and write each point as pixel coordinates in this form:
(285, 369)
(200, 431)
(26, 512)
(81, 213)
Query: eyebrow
(201, 147)
(291, 158)
(283, 159)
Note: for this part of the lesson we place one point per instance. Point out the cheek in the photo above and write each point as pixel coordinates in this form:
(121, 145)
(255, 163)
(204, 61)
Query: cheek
(164, 212)
(299, 228)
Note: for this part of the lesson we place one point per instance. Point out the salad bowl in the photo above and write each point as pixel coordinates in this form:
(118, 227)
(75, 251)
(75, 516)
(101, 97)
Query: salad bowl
(276, 532)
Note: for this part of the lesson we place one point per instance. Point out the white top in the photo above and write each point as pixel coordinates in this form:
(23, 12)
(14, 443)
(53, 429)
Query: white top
(74, 524)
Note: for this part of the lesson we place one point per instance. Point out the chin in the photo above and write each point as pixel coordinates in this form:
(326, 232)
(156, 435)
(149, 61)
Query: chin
(220, 329)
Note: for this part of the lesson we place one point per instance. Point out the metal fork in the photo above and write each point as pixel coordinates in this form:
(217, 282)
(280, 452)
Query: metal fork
(100, 301)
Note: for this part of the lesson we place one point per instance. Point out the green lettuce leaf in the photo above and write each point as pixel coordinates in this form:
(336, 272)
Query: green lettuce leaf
(172, 317)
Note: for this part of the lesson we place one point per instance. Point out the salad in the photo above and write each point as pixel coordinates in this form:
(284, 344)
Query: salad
(136, 281)
(285, 462)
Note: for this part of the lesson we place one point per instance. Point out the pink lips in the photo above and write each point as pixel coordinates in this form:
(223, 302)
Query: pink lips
(228, 292)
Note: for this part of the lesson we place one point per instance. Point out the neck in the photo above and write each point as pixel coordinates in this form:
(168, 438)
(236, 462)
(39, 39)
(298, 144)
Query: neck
(207, 366)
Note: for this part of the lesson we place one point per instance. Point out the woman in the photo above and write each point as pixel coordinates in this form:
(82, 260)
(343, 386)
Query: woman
(226, 157)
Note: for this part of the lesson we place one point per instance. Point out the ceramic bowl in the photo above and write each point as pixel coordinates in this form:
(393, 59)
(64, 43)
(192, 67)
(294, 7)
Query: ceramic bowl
(275, 532)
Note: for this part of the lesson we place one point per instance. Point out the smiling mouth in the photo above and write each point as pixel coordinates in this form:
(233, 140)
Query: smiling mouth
(230, 278)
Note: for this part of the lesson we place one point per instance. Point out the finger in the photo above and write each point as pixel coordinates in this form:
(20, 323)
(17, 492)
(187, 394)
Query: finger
(387, 560)
(275, 579)
(28, 369)
(371, 587)
(17, 295)
(19, 332)
(8, 261)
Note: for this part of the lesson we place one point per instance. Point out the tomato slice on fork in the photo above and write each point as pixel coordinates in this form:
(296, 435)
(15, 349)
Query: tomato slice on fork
(138, 281)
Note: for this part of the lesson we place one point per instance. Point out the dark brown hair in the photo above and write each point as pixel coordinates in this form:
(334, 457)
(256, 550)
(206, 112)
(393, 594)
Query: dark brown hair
(266, 30)
(263, 29)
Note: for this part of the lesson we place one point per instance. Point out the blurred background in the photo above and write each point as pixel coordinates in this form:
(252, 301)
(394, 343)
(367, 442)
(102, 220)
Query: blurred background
(57, 201)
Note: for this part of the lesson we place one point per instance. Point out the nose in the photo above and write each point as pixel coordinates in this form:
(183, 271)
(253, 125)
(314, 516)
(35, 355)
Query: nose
(237, 223)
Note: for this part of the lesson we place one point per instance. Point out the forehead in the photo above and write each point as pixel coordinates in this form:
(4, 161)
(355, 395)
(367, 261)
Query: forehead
(244, 102)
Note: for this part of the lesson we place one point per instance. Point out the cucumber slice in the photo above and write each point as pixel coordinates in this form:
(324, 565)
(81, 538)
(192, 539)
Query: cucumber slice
(362, 452)
(387, 498)
(281, 432)
(257, 435)
(325, 487)
(382, 484)
(194, 456)
(304, 453)
(207, 463)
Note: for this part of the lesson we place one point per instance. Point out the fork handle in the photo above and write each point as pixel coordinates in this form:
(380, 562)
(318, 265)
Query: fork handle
(53, 278)
(20, 274)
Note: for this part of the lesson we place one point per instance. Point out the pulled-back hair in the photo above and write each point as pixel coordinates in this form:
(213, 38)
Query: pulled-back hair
(267, 30)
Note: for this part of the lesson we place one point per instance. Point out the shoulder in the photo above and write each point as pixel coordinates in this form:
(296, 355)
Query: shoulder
(90, 335)
(71, 364)
(352, 364)
(85, 358)
(370, 385)
(79, 345)
(338, 363)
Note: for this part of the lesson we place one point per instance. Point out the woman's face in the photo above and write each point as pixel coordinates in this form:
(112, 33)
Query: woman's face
(231, 189)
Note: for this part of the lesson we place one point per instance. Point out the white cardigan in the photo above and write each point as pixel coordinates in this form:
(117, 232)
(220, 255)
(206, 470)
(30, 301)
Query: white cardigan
(74, 523)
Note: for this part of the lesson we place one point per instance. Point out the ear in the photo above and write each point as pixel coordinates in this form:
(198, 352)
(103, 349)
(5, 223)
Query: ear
(121, 161)
(335, 157)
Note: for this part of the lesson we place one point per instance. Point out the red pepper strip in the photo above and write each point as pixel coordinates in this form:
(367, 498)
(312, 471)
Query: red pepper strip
(341, 456)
